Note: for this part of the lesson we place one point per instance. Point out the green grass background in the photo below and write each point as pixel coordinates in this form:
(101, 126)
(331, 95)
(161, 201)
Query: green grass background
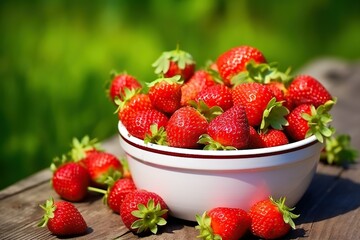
(55, 57)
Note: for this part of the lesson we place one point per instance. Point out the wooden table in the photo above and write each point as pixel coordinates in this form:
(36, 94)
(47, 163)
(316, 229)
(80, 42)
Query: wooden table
(330, 209)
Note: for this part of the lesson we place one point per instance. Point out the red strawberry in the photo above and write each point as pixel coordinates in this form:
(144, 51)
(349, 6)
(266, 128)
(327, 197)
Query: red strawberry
(176, 62)
(255, 98)
(119, 82)
(62, 218)
(132, 102)
(228, 130)
(71, 181)
(279, 90)
(116, 192)
(274, 137)
(185, 127)
(217, 95)
(141, 122)
(255, 141)
(233, 61)
(199, 81)
(100, 166)
(142, 211)
(223, 223)
(306, 89)
(298, 126)
(271, 219)
(165, 94)
(306, 120)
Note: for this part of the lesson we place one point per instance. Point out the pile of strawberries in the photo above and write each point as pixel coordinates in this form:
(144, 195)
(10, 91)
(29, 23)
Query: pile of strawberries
(238, 102)
(87, 168)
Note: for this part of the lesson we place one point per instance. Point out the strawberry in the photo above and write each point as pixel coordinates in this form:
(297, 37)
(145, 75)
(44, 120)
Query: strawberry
(142, 211)
(306, 120)
(223, 223)
(255, 98)
(70, 181)
(274, 137)
(62, 219)
(100, 166)
(229, 130)
(278, 89)
(118, 83)
(216, 95)
(133, 101)
(271, 219)
(233, 61)
(165, 94)
(141, 122)
(306, 89)
(185, 127)
(199, 81)
(175, 62)
(255, 141)
(116, 192)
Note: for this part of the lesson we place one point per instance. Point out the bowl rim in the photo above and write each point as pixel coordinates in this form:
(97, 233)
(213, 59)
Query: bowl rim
(214, 154)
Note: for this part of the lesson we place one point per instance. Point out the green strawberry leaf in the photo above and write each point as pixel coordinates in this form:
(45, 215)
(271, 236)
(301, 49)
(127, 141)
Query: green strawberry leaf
(157, 135)
(318, 121)
(205, 110)
(274, 116)
(171, 80)
(262, 73)
(211, 144)
(149, 217)
(288, 216)
(49, 208)
(162, 64)
(79, 148)
(338, 151)
(204, 227)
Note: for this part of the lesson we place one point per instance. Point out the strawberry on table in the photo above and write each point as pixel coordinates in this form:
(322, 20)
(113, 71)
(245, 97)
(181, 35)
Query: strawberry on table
(233, 62)
(230, 130)
(165, 93)
(175, 62)
(143, 211)
(116, 192)
(271, 219)
(305, 89)
(102, 165)
(185, 127)
(118, 83)
(71, 181)
(223, 223)
(62, 219)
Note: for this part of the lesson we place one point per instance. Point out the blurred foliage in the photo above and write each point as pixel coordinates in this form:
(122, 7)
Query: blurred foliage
(55, 57)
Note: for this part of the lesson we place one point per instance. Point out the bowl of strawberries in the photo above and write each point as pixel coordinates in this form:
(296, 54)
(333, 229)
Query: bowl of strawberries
(228, 135)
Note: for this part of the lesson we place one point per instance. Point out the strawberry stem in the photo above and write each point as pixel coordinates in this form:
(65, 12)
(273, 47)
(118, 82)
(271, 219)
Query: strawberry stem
(149, 217)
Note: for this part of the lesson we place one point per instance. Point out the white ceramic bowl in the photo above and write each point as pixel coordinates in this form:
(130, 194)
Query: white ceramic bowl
(193, 181)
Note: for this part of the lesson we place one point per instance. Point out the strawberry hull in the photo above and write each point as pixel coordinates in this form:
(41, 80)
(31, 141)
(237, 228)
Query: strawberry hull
(193, 181)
